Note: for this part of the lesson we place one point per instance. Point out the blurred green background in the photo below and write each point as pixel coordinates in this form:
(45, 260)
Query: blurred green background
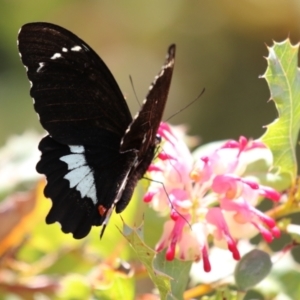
(220, 47)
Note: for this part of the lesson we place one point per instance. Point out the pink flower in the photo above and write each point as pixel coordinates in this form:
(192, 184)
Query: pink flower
(207, 197)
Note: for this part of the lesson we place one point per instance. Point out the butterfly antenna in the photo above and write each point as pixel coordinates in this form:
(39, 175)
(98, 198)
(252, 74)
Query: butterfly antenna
(182, 216)
(132, 85)
(185, 107)
(150, 179)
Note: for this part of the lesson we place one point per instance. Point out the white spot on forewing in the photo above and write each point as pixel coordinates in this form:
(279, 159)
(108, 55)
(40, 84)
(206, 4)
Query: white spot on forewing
(41, 65)
(74, 160)
(169, 64)
(76, 48)
(55, 56)
(64, 49)
(129, 126)
(126, 131)
(156, 77)
(77, 149)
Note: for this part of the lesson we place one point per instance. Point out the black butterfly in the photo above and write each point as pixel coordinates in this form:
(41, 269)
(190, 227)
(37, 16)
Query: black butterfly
(94, 153)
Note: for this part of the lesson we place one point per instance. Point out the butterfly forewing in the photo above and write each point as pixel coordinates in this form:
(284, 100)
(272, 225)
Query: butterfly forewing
(141, 133)
(95, 153)
(73, 90)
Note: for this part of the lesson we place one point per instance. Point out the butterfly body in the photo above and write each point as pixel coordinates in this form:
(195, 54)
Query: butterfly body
(94, 153)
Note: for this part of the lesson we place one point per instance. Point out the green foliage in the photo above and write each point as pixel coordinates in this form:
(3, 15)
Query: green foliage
(169, 277)
(251, 269)
(283, 79)
(177, 270)
(146, 255)
(289, 283)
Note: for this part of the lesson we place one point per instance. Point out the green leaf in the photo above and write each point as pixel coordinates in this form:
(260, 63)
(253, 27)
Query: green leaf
(177, 269)
(170, 278)
(251, 269)
(282, 76)
(146, 255)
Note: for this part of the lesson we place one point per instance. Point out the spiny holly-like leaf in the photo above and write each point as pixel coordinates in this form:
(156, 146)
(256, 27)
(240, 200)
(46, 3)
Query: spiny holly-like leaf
(283, 79)
(170, 278)
(177, 269)
(146, 255)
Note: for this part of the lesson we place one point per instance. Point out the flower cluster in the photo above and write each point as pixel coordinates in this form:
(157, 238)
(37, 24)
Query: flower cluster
(207, 197)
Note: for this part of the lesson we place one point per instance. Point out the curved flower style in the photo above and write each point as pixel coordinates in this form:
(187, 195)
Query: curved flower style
(207, 198)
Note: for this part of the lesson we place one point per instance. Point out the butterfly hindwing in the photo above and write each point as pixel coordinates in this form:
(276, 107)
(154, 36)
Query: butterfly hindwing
(94, 153)
(79, 179)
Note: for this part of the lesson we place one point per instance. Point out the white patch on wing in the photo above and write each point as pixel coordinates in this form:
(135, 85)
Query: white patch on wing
(76, 175)
(74, 160)
(129, 127)
(77, 149)
(64, 49)
(81, 175)
(86, 187)
(83, 179)
(55, 56)
(76, 48)
(41, 65)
